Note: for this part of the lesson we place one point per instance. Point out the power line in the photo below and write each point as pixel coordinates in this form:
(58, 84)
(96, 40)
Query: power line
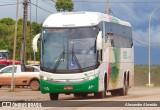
(110, 1)
(10, 4)
(53, 1)
(48, 3)
(142, 42)
(41, 8)
(118, 2)
(49, 0)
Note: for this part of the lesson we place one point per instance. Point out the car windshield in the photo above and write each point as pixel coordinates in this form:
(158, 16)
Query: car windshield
(69, 49)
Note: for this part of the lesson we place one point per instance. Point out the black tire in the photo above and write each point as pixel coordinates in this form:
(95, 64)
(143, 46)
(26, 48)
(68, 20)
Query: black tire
(76, 95)
(0, 86)
(79, 95)
(101, 94)
(114, 93)
(124, 91)
(84, 95)
(34, 85)
(54, 96)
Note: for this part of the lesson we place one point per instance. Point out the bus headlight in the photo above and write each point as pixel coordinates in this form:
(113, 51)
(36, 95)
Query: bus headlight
(43, 77)
(92, 76)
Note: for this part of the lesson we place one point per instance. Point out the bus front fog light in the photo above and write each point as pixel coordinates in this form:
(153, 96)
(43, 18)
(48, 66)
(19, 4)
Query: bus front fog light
(91, 86)
(46, 88)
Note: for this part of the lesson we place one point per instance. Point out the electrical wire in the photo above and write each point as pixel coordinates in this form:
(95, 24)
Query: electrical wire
(49, 4)
(41, 8)
(118, 1)
(10, 4)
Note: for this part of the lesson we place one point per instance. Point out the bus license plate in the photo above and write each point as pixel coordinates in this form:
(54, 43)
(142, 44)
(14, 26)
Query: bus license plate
(68, 88)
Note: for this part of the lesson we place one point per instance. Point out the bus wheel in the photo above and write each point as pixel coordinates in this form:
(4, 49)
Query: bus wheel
(100, 94)
(76, 95)
(54, 96)
(124, 91)
(114, 92)
(84, 95)
(0, 86)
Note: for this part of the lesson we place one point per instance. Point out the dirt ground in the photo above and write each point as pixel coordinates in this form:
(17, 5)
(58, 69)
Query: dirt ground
(135, 94)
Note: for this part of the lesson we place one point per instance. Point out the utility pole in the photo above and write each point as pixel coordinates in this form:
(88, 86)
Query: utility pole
(24, 33)
(14, 49)
(108, 7)
(30, 31)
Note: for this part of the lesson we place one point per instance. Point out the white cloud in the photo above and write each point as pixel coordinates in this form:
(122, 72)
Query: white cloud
(142, 36)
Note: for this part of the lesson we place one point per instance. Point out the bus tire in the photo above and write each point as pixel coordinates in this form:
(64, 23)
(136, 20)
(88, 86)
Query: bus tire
(77, 95)
(53, 96)
(84, 95)
(114, 93)
(0, 86)
(124, 91)
(100, 94)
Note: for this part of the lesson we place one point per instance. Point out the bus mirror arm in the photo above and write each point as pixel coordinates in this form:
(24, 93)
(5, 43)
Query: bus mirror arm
(34, 42)
(99, 41)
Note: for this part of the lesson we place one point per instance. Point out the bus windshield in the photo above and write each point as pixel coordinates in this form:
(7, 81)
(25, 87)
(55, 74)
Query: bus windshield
(4, 55)
(69, 50)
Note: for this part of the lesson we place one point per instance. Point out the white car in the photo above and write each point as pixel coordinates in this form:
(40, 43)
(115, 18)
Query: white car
(23, 76)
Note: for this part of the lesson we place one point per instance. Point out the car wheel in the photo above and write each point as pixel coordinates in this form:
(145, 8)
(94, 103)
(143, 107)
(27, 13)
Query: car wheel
(54, 96)
(34, 84)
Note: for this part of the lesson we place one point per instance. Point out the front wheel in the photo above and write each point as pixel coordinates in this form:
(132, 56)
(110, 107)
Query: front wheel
(34, 84)
(54, 96)
(101, 94)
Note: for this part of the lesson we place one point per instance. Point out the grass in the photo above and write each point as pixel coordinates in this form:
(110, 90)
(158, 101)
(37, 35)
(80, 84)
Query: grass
(141, 75)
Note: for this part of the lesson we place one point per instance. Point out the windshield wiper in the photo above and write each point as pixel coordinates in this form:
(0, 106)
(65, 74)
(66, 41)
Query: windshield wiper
(59, 61)
(78, 64)
(61, 56)
(74, 56)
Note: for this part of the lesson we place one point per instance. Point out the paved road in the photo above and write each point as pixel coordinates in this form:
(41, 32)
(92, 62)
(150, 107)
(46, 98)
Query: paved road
(135, 94)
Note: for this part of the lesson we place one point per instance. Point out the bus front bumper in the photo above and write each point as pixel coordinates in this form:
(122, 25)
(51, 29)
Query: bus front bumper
(89, 86)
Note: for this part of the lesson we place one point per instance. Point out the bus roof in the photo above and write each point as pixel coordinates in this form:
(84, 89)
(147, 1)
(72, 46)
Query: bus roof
(4, 51)
(78, 19)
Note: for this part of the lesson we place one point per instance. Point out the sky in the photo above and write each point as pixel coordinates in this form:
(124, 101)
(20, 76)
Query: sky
(137, 12)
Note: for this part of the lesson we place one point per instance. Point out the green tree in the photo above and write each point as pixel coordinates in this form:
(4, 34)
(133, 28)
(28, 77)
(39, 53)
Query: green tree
(36, 28)
(7, 21)
(64, 5)
(7, 26)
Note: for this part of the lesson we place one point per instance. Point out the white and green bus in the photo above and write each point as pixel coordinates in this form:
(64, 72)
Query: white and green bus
(85, 52)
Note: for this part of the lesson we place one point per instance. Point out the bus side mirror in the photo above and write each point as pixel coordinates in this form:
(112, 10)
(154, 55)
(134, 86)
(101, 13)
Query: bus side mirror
(99, 41)
(34, 42)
